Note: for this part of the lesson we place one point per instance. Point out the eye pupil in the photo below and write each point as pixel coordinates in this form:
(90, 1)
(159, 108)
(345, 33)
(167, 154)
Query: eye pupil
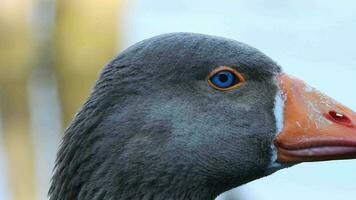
(223, 78)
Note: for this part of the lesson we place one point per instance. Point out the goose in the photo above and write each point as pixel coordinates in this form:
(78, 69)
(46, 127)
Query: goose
(190, 116)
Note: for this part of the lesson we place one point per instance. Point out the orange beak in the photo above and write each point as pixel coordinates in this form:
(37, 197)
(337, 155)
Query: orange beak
(316, 127)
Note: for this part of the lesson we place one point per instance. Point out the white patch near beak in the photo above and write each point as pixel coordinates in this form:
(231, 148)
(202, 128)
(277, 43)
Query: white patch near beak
(279, 111)
(279, 116)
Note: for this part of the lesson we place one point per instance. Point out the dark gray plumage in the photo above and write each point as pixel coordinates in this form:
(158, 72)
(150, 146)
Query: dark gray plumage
(154, 129)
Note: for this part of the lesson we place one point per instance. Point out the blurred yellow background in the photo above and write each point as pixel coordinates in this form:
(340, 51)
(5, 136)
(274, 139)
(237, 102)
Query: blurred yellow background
(48, 49)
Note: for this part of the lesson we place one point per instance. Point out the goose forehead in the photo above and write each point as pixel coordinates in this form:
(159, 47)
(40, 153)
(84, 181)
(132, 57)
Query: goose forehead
(194, 53)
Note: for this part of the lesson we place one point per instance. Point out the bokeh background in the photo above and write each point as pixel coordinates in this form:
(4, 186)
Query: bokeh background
(52, 50)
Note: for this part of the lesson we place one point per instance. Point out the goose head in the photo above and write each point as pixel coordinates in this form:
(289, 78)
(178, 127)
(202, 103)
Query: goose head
(189, 116)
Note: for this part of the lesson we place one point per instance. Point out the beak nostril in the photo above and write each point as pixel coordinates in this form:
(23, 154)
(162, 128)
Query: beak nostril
(339, 118)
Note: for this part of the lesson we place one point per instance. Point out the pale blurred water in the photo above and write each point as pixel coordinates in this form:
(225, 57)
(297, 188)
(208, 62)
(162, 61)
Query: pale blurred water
(46, 126)
(4, 187)
(314, 40)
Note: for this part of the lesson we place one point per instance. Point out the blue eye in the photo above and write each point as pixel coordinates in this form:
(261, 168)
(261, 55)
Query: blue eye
(224, 79)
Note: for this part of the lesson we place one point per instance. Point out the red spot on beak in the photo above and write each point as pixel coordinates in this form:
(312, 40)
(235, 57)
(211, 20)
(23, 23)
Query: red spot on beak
(340, 118)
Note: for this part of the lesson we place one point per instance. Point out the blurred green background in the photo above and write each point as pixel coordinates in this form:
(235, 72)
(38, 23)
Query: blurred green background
(51, 52)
